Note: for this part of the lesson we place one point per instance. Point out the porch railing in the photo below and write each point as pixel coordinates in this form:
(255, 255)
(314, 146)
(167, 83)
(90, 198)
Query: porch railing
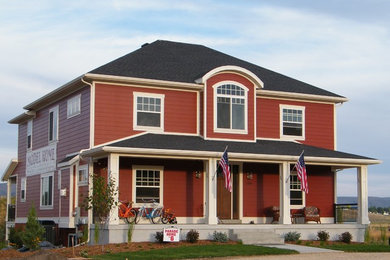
(11, 212)
(345, 213)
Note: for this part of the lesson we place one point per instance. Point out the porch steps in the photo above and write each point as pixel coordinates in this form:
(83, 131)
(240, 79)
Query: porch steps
(263, 237)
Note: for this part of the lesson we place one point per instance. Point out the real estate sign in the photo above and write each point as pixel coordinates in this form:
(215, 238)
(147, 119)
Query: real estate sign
(41, 160)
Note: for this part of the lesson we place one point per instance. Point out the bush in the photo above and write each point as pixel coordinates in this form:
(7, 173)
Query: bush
(292, 236)
(323, 235)
(192, 236)
(33, 232)
(159, 236)
(345, 237)
(220, 237)
(15, 237)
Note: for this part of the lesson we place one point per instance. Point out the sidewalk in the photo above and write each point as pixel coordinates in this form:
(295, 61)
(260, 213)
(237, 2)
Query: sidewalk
(303, 249)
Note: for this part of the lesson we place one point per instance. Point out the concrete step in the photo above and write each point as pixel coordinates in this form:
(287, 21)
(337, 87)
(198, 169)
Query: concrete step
(264, 237)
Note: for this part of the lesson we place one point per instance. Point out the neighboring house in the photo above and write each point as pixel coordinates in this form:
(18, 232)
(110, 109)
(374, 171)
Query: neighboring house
(158, 120)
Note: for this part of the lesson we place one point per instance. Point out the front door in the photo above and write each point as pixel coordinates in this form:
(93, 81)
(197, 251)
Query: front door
(227, 203)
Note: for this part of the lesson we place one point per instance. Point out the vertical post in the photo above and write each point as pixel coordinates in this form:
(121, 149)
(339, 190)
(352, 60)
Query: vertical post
(362, 195)
(113, 172)
(211, 201)
(284, 193)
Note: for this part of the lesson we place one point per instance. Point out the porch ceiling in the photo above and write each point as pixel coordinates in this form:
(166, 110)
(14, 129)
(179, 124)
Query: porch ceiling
(196, 146)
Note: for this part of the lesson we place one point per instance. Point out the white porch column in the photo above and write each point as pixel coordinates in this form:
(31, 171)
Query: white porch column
(362, 195)
(335, 187)
(211, 194)
(113, 172)
(284, 193)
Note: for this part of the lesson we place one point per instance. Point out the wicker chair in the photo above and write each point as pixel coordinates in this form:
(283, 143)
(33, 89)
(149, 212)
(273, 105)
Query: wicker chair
(311, 213)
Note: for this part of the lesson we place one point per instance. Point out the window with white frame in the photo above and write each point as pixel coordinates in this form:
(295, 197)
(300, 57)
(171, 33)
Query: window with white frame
(292, 121)
(73, 106)
(148, 111)
(297, 196)
(53, 124)
(83, 175)
(230, 107)
(148, 184)
(29, 134)
(23, 189)
(47, 190)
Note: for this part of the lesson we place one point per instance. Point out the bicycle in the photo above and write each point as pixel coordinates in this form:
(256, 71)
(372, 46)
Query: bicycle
(126, 211)
(168, 216)
(153, 214)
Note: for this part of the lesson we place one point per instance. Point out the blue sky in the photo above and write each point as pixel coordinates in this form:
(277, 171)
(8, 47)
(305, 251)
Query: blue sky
(341, 46)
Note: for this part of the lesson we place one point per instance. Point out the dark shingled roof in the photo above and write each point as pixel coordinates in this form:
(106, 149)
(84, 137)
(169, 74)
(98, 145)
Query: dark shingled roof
(182, 62)
(196, 143)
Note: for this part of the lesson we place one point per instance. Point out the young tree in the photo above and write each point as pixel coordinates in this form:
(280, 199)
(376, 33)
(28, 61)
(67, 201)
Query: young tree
(33, 232)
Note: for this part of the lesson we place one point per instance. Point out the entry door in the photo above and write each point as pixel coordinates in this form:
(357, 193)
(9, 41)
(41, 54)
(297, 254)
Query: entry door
(227, 203)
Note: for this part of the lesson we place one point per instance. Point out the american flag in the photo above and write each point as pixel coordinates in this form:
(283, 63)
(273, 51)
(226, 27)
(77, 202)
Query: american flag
(224, 163)
(301, 172)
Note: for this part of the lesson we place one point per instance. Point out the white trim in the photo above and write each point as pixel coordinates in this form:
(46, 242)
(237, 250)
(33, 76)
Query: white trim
(82, 168)
(69, 106)
(147, 167)
(135, 112)
(10, 169)
(302, 192)
(334, 127)
(291, 95)
(46, 175)
(92, 117)
(291, 137)
(56, 125)
(232, 68)
(215, 108)
(198, 113)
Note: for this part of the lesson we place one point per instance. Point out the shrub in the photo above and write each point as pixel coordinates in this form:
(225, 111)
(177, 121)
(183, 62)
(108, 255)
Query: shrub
(33, 232)
(159, 236)
(323, 235)
(84, 253)
(220, 237)
(345, 237)
(15, 237)
(192, 236)
(292, 236)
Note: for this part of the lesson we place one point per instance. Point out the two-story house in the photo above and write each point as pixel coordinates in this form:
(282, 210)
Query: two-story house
(157, 121)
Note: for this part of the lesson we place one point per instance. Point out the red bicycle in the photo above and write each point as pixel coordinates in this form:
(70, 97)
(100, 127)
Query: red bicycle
(168, 216)
(126, 211)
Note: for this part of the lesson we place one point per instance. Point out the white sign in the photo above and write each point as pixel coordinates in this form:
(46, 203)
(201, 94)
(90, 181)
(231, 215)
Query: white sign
(41, 160)
(171, 235)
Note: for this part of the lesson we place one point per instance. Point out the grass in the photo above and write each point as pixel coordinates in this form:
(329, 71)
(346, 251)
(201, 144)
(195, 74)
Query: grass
(205, 251)
(358, 247)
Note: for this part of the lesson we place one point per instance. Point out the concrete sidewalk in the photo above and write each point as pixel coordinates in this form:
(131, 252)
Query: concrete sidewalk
(303, 249)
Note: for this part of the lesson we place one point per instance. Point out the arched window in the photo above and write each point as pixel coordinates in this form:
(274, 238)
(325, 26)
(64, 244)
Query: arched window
(231, 107)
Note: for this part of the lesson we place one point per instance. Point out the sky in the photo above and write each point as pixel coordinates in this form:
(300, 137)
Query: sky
(340, 46)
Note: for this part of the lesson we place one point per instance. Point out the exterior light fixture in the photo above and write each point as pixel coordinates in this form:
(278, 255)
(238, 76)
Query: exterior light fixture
(198, 174)
(249, 175)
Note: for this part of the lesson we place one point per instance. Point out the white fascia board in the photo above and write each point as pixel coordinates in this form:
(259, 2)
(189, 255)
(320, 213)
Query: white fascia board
(307, 97)
(196, 155)
(143, 81)
(9, 170)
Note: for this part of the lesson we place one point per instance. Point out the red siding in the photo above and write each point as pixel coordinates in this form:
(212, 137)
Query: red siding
(262, 191)
(210, 106)
(114, 111)
(319, 121)
(321, 189)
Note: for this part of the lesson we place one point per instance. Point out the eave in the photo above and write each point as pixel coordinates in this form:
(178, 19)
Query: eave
(300, 96)
(9, 170)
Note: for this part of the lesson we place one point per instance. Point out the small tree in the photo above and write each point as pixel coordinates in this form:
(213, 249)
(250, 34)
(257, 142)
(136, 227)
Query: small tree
(33, 232)
(101, 201)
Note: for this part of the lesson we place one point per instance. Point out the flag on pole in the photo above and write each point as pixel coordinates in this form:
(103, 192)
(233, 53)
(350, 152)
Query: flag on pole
(301, 173)
(224, 163)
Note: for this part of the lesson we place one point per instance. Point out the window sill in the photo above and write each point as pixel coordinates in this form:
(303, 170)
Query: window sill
(46, 207)
(230, 131)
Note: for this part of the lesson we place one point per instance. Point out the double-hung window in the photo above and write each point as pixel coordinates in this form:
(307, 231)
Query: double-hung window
(148, 111)
(53, 124)
(73, 106)
(148, 184)
(297, 196)
(23, 189)
(47, 190)
(83, 175)
(231, 108)
(29, 134)
(292, 122)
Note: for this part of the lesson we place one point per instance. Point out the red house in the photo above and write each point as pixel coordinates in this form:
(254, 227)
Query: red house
(157, 121)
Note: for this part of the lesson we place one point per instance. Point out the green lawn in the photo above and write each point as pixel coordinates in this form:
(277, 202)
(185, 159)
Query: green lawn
(199, 252)
(358, 247)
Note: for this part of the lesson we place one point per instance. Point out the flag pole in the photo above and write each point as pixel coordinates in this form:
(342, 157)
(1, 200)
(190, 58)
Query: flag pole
(295, 165)
(215, 173)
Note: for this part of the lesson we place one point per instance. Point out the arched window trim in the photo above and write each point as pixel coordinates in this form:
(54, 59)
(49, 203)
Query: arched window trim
(245, 97)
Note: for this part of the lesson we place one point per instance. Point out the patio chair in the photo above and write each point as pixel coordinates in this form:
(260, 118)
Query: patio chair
(311, 213)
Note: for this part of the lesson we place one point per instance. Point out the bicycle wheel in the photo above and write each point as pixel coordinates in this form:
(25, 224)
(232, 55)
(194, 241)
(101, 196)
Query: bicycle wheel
(138, 216)
(131, 218)
(156, 216)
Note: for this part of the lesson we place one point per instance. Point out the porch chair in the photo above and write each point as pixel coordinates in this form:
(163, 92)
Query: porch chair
(311, 213)
(273, 212)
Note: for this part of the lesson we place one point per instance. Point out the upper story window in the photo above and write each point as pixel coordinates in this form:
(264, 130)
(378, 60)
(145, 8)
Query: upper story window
(230, 108)
(29, 134)
(292, 122)
(297, 196)
(53, 124)
(73, 106)
(148, 111)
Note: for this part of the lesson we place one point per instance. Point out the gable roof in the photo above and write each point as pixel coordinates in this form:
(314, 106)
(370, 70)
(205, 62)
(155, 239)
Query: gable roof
(197, 146)
(183, 62)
